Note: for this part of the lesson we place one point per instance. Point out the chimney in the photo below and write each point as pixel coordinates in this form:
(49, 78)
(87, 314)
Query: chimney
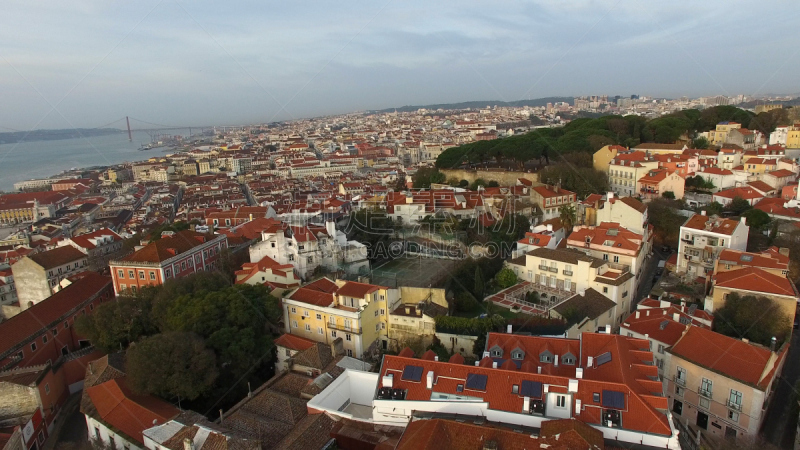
(187, 444)
(663, 312)
(526, 404)
(429, 380)
(494, 364)
(477, 363)
(387, 380)
(637, 314)
(608, 329)
(743, 219)
(549, 227)
(647, 313)
(745, 340)
(589, 361)
(539, 369)
(703, 212)
(783, 251)
(610, 195)
(577, 406)
(555, 360)
(676, 317)
(773, 343)
(508, 329)
(436, 357)
(408, 310)
(579, 373)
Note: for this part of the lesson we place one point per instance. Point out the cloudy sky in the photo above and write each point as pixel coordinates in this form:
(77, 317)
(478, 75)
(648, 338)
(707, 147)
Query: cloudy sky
(87, 63)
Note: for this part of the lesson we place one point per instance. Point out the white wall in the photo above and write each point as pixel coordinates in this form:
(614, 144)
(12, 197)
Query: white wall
(105, 435)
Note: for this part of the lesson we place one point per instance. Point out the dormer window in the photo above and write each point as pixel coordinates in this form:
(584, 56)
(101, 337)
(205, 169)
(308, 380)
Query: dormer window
(568, 359)
(546, 357)
(517, 353)
(496, 352)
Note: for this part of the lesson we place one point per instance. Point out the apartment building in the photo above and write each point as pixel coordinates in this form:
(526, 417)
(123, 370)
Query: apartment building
(174, 255)
(99, 246)
(611, 242)
(268, 272)
(724, 392)
(325, 310)
(606, 381)
(626, 169)
(702, 240)
(551, 198)
(558, 274)
(773, 260)
(629, 212)
(719, 135)
(756, 282)
(655, 183)
(547, 235)
(413, 318)
(38, 275)
(662, 324)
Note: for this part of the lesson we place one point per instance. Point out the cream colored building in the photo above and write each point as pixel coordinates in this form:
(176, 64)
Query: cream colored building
(725, 392)
(625, 170)
(718, 136)
(414, 316)
(703, 238)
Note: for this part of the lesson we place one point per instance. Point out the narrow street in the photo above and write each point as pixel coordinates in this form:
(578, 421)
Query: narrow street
(646, 279)
(780, 420)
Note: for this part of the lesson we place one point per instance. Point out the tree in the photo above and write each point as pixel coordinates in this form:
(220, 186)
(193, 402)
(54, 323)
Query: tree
(506, 278)
(115, 324)
(756, 218)
(700, 143)
(669, 195)
(714, 208)
(479, 285)
(173, 364)
(738, 206)
(493, 184)
(755, 318)
(463, 183)
(427, 175)
(568, 217)
(662, 214)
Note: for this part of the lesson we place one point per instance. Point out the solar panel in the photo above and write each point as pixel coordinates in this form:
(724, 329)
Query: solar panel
(602, 359)
(412, 373)
(692, 309)
(663, 324)
(476, 382)
(530, 389)
(613, 399)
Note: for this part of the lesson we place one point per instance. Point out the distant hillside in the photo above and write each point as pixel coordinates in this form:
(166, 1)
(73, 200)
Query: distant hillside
(54, 135)
(480, 104)
(785, 103)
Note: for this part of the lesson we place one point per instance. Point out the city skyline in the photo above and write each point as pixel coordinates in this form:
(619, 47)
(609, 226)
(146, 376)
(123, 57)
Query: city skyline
(183, 64)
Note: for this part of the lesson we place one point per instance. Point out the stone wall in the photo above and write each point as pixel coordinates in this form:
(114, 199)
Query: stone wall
(504, 178)
(17, 401)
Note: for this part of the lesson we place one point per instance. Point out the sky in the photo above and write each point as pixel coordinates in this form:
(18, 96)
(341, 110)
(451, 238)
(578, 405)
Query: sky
(179, 62)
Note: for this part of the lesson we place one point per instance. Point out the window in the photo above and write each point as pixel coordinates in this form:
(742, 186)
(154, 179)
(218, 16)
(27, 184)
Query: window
(703, 403)
(47, 388)
(319, 330)
(33, 346)
(141, 275)
(605, 256)
(44, 338)
(121, 273)
(167, 273)
(735, 399)
(605, 290)
(377, 327)
(616, 258)
(310, 259)
(515, 389)
(733, 416)
(333, 333)
(152, 275)
(568, 360)
(567, 285)
(294, 324)
(706, 387)
(288, 352)
(306, 313)
(678, 391)
(308, 327)
(596, 397)
(460, 388)
(294, 310)
(183, 266)
(55, 332)
(383, 311)
(319, 316)
(660, 349)
(561, 401)
(376, 313)
(131, 275)
(66, 324)
(347, 336)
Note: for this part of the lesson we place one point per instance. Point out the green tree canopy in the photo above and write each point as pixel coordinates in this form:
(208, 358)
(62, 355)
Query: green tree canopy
(506, 278)
(738, 206)
(427, 175)
(173, 364)
(755, 318)
(663, 215)
(756, 218)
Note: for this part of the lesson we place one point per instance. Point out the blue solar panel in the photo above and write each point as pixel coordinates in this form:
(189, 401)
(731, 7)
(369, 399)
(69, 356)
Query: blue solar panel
(602, 359)
(530, 389)
(412, 373)
(613, 399)
(476, 382)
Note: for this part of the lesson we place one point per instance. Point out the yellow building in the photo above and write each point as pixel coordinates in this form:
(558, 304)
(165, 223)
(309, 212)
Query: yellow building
(720, 134)
(755, 165)
(602, 158)
(793, 137)
(326, 310)
(753, 281)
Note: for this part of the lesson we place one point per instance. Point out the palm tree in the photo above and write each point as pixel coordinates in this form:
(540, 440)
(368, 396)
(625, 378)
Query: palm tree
(568, 217)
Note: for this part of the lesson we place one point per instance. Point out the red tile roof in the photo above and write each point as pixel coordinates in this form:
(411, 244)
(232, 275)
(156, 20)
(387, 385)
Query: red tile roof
(129, 412)
(44, 314)
(756, 280)
(313, 297)
(358, 290)
(57, 257)
(161, 250)
(742, 361)
(85, 240)
(719, 225)
(772, 258)
(293, 342)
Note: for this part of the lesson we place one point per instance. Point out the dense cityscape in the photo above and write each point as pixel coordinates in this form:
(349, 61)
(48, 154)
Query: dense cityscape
(596, 272)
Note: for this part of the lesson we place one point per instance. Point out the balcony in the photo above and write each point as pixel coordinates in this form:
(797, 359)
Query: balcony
(553, 269)
(734, 406)
(688, 241)
(346, 329)
(567, 272)
(679, 381)
(544, 268)
(704, 392)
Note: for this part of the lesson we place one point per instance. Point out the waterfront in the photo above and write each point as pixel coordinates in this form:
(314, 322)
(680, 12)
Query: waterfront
(40, 159)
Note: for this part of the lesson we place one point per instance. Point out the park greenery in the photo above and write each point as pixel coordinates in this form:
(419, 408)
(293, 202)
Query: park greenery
(183, 339)
(506, 278)
(758, 319)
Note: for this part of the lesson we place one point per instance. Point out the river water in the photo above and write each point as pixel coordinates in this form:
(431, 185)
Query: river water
(41, 159)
